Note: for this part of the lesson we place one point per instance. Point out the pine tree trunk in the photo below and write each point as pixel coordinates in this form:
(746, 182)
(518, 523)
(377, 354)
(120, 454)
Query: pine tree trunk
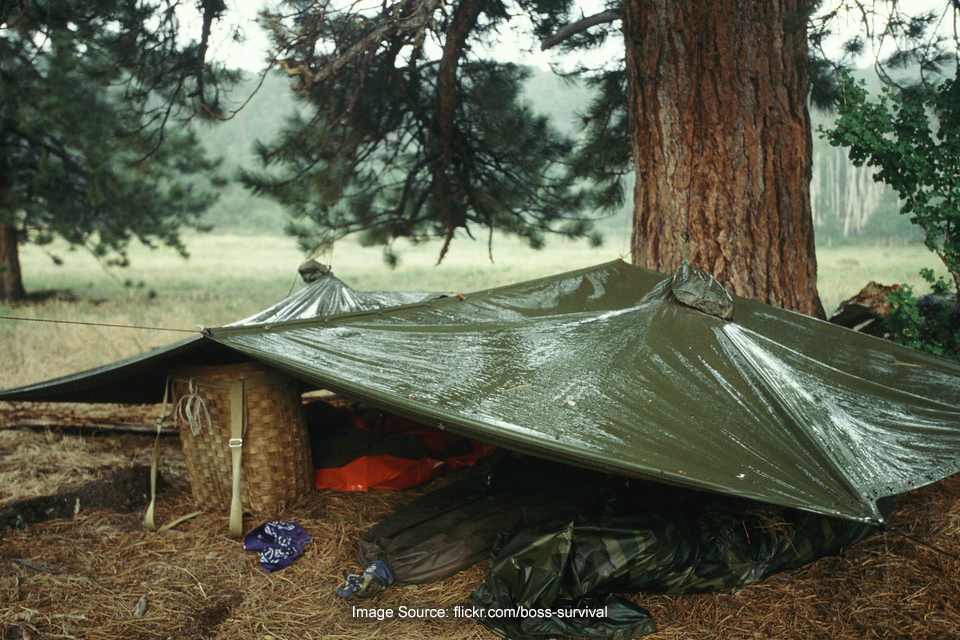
(11, 283)
(722, 145)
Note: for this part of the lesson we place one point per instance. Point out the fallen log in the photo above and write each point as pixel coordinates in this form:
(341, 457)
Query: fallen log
(89, 428)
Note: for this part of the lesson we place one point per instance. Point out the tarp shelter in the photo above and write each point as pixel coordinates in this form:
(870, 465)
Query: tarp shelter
(140, 379)
(629, 371)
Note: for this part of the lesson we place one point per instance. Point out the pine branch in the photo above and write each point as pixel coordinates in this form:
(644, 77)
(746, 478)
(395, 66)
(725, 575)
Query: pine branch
(409, 19)
(580, 26)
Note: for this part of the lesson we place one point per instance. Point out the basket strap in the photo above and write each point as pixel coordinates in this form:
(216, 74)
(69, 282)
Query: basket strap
(148, 516)
(148, 520)
(238, 420)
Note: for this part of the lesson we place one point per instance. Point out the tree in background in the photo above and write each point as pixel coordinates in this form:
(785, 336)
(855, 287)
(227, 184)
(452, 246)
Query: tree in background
(94, 146)
(707, 108)
(412, 133)
(910, 135)
(404, 143)
(844, 197)
(716, 99)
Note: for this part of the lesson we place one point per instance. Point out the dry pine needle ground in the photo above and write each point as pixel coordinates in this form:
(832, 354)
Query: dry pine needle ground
(100, 575)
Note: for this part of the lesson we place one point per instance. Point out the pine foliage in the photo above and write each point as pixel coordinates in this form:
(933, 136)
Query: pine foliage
(95, 145)
(405, 140)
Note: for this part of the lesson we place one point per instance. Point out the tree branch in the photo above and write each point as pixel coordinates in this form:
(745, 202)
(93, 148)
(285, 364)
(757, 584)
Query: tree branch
(580, 26)
(410, 19)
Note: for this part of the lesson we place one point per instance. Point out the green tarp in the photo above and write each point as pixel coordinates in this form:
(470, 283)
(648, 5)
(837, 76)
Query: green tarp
(606, 368)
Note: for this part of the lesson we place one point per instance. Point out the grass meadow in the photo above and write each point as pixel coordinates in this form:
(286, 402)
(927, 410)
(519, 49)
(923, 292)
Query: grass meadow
(228, 277)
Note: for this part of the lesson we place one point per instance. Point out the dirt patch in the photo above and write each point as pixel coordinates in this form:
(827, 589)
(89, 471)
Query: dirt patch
(210, 615)
(44, 461)
(122, 491)
(85, 576)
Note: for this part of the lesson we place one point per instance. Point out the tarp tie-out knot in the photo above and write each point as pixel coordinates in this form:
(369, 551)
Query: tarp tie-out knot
(192, 409)
(699, 290)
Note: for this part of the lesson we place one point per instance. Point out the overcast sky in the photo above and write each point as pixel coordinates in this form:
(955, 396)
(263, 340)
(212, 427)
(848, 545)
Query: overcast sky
(252, 53)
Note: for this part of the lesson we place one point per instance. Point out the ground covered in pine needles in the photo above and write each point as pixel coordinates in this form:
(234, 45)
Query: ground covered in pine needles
(98, 574)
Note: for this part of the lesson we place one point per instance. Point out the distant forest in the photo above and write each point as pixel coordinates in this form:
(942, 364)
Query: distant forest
(848, 206)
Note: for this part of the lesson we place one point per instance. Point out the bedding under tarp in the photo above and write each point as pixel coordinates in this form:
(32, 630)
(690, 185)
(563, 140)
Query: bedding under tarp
(650, 540)
(625, 370)
(453, 527)
(566, 539)
(360, 450)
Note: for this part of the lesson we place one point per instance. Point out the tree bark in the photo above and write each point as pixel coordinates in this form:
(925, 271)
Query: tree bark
(11, 282)
(717, 96)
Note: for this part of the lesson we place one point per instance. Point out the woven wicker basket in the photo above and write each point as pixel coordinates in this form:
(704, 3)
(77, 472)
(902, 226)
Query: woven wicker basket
(276, 462)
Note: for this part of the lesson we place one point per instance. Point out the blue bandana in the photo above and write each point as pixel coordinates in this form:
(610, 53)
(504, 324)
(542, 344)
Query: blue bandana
(279, 543)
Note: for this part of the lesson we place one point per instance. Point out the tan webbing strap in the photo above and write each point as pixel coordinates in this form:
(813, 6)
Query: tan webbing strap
(238, 423)
(173, 523)
(155, 461)
(148, 517)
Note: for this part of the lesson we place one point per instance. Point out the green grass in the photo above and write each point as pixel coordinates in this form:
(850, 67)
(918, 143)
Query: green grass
(230, 277)
(844, 271)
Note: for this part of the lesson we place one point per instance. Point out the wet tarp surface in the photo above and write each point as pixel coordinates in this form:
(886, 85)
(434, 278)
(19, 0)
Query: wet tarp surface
(140, 379)
(614, 368)
(329, 296)
(606, 368)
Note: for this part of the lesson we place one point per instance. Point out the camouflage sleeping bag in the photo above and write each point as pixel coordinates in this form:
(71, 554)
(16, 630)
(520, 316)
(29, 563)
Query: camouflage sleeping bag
(560, 581)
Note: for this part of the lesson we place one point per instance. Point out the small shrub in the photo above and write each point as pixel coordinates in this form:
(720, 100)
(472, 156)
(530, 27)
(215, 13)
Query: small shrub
(930, 323)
